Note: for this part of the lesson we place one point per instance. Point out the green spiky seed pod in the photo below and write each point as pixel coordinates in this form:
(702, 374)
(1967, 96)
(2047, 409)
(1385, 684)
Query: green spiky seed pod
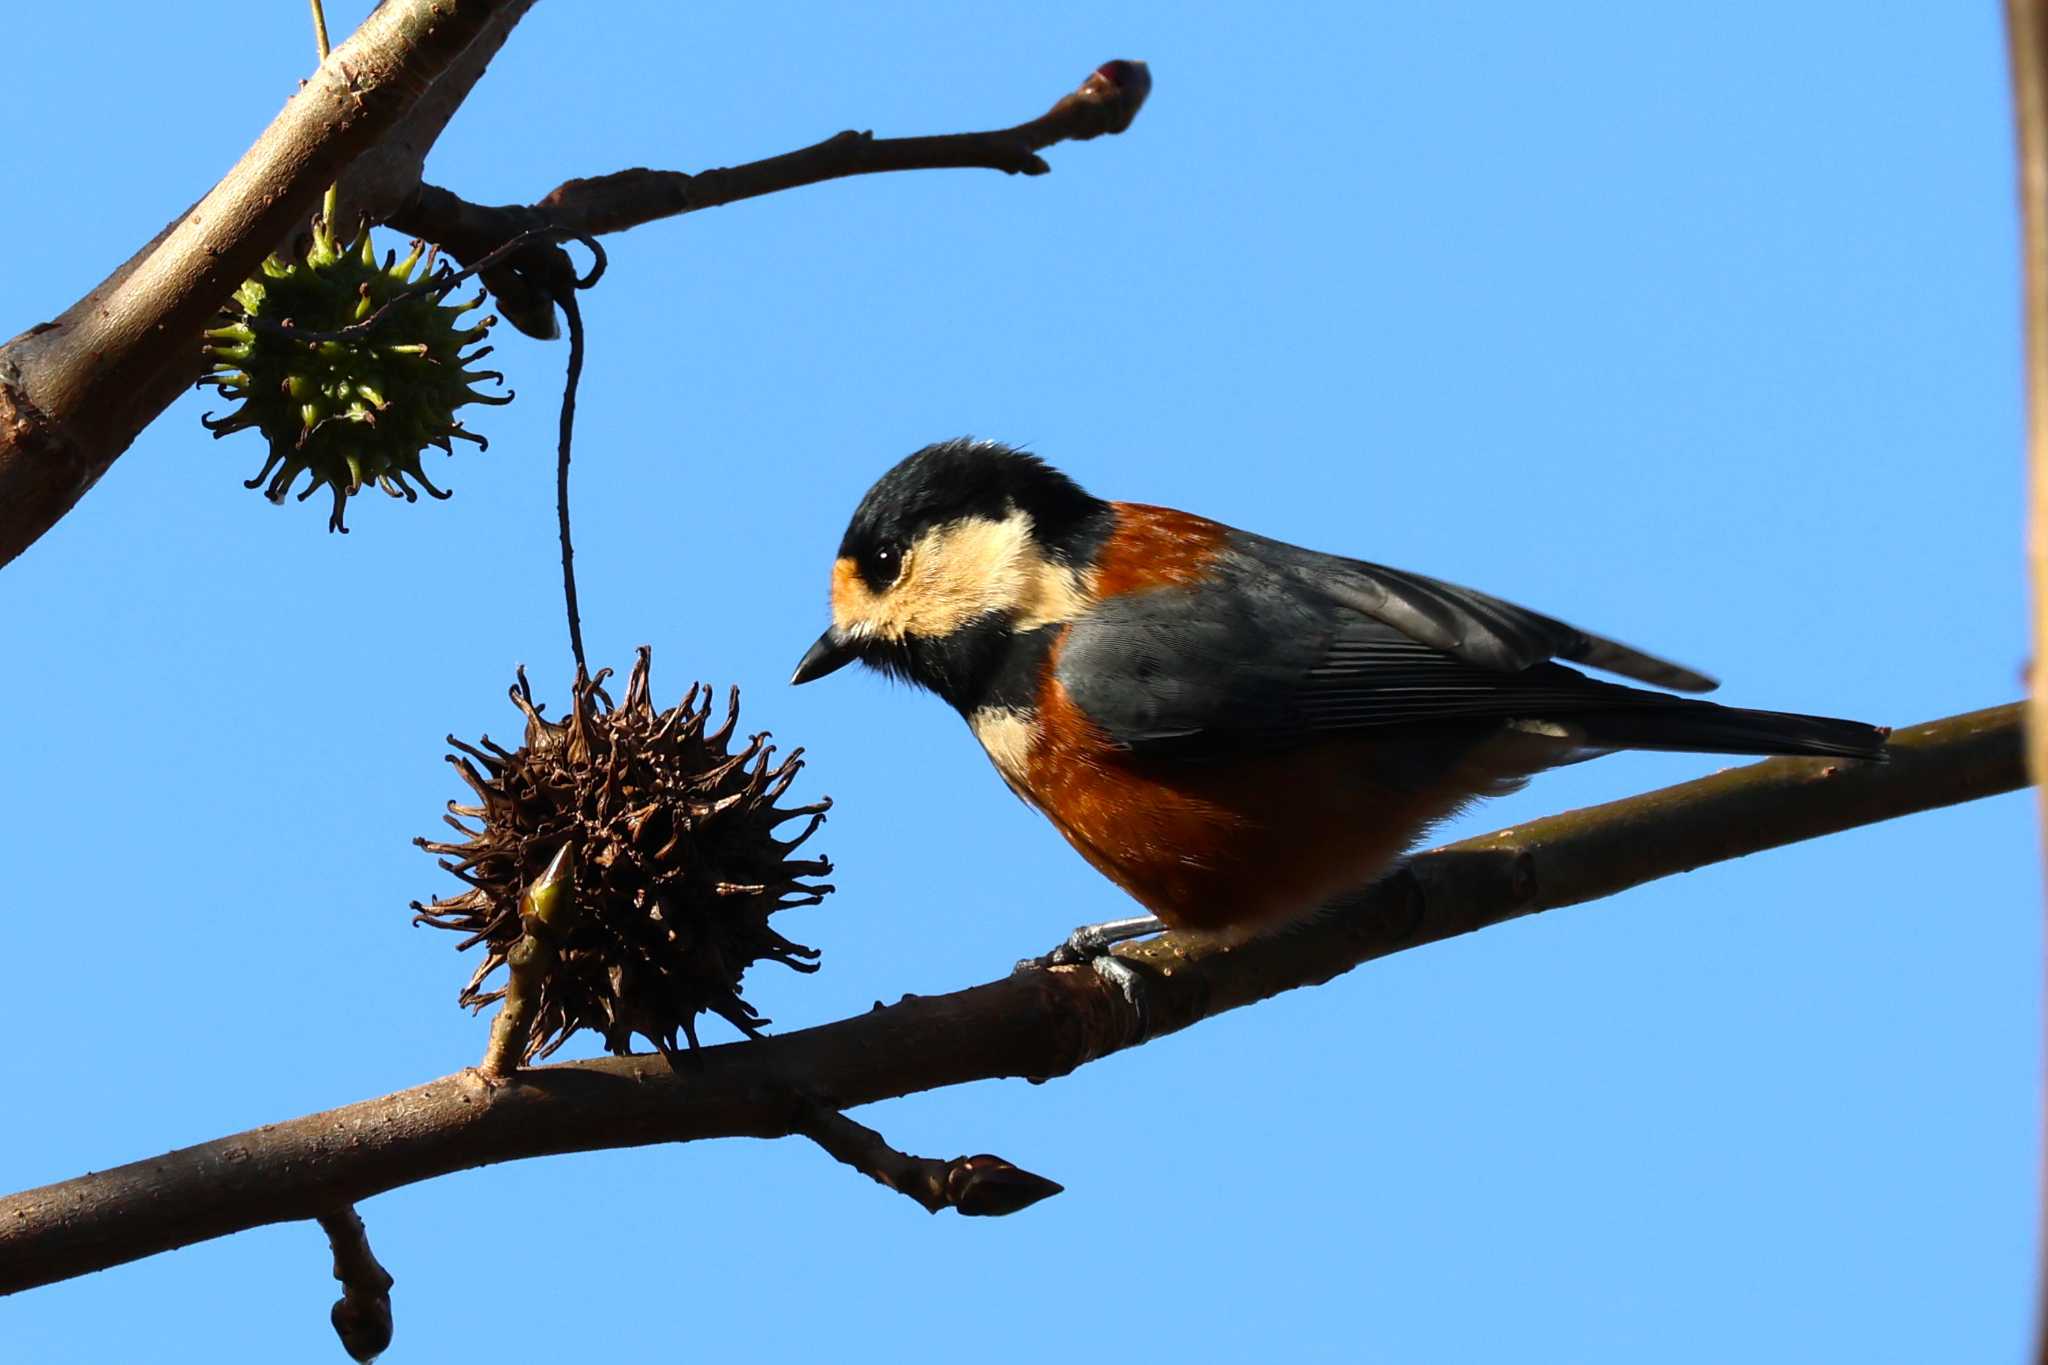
(353, 409)
(676, 867)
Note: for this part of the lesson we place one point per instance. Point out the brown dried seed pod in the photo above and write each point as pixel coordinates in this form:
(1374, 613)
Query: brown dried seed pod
(677, 867)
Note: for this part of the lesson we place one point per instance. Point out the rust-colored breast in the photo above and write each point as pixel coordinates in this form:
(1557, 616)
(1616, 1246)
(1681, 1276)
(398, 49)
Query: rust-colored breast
(1233, 846)
(1229, 848)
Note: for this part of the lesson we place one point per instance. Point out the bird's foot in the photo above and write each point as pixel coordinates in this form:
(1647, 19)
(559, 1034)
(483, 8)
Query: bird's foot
(1092, 942)
(1127, 981)
(1090, 945)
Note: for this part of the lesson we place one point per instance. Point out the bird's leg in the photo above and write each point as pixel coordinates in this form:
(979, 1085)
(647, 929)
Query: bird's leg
(1092, 942)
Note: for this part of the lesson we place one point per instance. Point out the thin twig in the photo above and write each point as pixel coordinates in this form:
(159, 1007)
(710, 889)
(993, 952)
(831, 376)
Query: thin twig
(330, 203)
(362, 1315)
(320, 29)
(978, 1186)
(1039, 1023)
(1105, 103)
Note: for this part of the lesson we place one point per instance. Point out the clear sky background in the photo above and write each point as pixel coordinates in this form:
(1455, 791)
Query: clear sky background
(1693, 324)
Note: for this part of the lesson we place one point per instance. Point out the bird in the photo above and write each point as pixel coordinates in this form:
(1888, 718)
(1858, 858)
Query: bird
(1233, 729)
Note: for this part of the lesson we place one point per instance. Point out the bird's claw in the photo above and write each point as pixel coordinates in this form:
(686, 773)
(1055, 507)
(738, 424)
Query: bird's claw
(1091, 943)
(1071, 952)
(1090, 946)
(1129, 983)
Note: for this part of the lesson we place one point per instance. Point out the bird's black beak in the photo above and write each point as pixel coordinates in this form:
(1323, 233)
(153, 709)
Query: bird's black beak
(832, 652)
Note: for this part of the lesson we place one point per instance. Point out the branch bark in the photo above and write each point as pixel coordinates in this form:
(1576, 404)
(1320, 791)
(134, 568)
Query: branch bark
(1105, 103)
(978, 1186)
(74, 393)
(2027, 37)
(385, 178)
(362, 1315)
(1036, 1023)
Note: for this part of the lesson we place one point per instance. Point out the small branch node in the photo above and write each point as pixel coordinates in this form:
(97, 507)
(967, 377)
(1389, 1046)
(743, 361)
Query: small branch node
(362, 1315)
(982, 1186)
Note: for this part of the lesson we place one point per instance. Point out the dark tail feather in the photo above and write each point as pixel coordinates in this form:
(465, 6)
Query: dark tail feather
(1700, 727)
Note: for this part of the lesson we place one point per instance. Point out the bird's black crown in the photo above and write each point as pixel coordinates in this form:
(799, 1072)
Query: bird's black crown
(968, 478)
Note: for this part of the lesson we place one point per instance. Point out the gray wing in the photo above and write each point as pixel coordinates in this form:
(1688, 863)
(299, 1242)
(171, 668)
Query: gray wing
(1469, 625)
(1282, 644)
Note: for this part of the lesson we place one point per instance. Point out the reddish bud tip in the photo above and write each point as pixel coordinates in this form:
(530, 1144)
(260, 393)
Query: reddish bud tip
(1120, 87)
(988, 1187)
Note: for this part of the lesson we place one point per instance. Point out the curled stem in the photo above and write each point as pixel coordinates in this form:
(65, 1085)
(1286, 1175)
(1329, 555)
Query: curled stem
(565, 299)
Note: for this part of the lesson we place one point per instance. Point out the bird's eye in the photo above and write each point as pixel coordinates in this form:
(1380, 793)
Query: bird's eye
(883, 564)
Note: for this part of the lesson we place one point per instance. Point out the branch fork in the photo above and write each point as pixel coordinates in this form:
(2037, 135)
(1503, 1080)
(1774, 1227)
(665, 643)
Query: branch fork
(75, 392)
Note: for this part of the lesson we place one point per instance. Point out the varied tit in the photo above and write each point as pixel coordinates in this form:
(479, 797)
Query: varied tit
(1230, 728)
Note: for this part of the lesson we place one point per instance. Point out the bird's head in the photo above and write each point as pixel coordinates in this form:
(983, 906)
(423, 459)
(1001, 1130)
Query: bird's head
(959, 547)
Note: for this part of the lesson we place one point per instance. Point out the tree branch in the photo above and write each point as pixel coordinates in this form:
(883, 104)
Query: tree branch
(75, 392)
(2026, 23)
(385, 178)
(1105, 103)
(362, 1315)
(1037, 1023)
(978, 1186)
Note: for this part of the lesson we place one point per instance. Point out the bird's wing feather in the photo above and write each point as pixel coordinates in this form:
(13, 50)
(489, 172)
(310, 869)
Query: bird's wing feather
(1473, 626)
(1276, 647)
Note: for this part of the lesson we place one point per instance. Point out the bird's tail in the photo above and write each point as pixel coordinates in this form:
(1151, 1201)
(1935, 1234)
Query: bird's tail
(1704, 727)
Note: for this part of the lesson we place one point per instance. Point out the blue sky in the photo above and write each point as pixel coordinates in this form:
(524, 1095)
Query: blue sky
(1695, 325)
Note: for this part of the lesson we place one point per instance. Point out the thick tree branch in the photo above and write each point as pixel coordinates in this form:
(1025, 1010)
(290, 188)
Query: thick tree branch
(1037, 1023)
(380, 181)
(1104, 103)
(74, 393)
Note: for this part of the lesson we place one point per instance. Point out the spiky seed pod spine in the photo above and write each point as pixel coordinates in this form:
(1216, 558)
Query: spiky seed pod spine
(677, 868)
(349, 369)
